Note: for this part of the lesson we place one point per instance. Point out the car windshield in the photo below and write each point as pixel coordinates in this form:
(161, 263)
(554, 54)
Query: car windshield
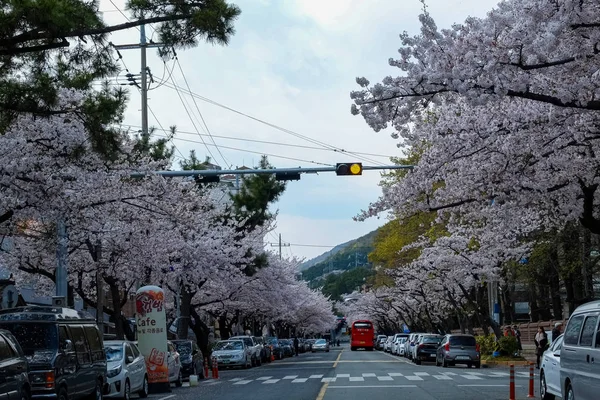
(363, 325)
(272, 341)
(37, 340)
(114, 353)
(184, 348)
(431, 339)
(229, 345)
(320, 341)
(462, 341)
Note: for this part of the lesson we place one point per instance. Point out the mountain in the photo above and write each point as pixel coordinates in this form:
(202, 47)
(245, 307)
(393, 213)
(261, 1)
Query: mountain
(343, 257)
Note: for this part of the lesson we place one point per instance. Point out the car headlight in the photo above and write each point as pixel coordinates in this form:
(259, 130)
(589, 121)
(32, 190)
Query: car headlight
(111, 373)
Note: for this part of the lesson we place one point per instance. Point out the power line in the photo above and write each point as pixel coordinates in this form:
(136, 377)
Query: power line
(285, 130)
(161, 127)
(200, 113)
(254, 152)
(300, 146)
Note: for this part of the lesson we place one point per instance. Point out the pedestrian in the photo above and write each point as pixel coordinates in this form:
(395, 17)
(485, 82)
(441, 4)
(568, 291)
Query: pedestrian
(556, 331)
(338, 343)
(518, 336)
(296, 345)
(541, 341)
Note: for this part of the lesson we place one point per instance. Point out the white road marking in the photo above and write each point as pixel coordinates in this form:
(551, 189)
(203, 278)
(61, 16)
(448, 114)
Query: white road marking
(357, 379)
(236, 379)
(271, 381)
(422, 373)
(290, 377)
(498, 374)
(370, 386)
(442, 377)
(486, 385)
(369, 375)
(448, 373)
(385, 378)
(167, 397)
(242, 382)
(413, 378)
(315, 376)
(472, 377)
(300, 380)
(264, 378)
(327, 380)
(342, 376)
(395, 374)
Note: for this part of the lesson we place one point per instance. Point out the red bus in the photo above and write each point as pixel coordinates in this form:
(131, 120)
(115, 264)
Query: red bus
(362, 335)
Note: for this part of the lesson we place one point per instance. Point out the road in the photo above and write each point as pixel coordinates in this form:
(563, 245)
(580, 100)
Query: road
(348, 375)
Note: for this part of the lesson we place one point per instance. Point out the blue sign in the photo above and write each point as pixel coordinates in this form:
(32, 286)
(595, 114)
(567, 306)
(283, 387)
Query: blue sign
(405, 328)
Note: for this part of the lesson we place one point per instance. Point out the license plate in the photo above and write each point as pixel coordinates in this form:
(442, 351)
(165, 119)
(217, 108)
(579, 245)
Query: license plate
(432, 355)
(361, 342)
(463, 357)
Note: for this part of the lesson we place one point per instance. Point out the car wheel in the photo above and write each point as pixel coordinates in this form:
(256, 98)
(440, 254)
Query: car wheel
(478, 365)
(258, 362)
(127, 390)
(97, 394)
(437, 363)
(418, 361)
(62, 394)
(248, 364)
(570, 394)
(179, 381)
(25, 394)
(544, 389)
(469, 365)
(143, 393)
(444, 363)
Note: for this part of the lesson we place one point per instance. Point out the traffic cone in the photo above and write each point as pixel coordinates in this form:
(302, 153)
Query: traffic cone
(272, 355)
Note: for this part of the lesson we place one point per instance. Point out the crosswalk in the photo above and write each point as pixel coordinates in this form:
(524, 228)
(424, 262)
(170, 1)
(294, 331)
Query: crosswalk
(391, 376)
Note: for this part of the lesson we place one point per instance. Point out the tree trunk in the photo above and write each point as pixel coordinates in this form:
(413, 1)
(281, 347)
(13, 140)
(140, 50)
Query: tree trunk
(201, 330)
(115, 295)
(185, 306)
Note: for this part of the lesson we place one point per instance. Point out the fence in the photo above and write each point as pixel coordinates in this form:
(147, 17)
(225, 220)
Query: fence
(528, 330)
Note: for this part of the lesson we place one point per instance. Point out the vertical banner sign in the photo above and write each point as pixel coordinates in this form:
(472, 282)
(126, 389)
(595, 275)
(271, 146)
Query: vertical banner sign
(151, 324)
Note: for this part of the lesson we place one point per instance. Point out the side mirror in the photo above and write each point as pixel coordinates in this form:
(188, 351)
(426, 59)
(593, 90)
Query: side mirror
(68, 346)
(129, 359)
(557, 354)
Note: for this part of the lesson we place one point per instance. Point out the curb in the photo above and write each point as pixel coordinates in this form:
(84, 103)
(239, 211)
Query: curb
(516, 363)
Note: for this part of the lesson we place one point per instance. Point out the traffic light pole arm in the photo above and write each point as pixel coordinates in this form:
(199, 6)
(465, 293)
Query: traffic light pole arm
(212, 172)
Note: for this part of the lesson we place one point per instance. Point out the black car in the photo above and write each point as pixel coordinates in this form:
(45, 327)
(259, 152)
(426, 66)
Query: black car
(427, 348)
(192, 360)
(64, 349)
(277, 348)
(14, 381)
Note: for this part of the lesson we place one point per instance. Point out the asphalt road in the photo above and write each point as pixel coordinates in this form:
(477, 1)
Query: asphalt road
(348, 375)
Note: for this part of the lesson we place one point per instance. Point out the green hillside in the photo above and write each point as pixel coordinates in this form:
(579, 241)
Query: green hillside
(332, 273)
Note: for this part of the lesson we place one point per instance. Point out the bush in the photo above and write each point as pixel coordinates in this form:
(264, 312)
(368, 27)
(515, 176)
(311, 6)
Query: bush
(487, 344)
(508, 345)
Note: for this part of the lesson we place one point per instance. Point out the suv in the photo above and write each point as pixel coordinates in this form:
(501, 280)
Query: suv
(580, 354)
(253, 346)
(64, 349)
(14, 381)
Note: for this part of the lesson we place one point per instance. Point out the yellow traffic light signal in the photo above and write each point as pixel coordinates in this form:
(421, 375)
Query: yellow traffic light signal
(348, 169)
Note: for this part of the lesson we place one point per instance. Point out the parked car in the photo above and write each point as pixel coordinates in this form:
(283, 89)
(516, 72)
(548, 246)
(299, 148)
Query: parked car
(174, 363)
(426, 350)
(550, 371)
(580, 354)
(398, 346)
(253, 346)
(458, 349)
(56, 342)
(320, 345)
(232, 353)
(380, 341)
(126, 369)
(265, 350)
(192, 360)
(288, 347)
(273, 343)
(14, 379)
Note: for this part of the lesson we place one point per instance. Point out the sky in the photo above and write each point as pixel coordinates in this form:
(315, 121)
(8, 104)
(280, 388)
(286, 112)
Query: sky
(291, 64)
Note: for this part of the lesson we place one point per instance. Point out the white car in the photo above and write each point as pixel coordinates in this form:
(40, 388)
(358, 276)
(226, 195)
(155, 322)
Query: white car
(550, 371)
(125, 370)
(398, 346)
(174, 363)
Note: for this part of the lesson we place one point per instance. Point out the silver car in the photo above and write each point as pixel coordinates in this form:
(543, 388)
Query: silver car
(126, 369)
(458, 349)
(233, 353)
(320, 345)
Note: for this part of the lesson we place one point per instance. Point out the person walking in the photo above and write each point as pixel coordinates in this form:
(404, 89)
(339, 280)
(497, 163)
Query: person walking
(517, 333)
(541, 341)
(296, 345)
(556, 331)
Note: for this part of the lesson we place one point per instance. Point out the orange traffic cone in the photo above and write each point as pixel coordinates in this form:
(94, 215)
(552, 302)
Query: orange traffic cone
(272, 356)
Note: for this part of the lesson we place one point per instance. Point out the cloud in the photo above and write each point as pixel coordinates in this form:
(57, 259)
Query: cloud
(292, 63)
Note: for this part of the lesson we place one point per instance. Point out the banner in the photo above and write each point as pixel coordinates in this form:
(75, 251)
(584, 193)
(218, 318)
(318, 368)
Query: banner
(151, 324)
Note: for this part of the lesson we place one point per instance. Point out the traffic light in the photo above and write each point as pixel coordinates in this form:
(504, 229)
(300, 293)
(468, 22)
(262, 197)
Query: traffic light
(348, 168)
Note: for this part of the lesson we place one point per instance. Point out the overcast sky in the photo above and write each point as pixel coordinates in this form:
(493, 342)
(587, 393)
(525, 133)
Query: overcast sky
(292, 64)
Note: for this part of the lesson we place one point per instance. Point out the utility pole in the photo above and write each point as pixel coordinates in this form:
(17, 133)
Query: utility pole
(99, 289)
(281, 244)
(62, 261)
(142, 45)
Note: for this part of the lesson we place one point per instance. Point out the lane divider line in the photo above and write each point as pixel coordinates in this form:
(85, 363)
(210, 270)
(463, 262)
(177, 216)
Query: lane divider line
(321, 394)
(337, 360)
